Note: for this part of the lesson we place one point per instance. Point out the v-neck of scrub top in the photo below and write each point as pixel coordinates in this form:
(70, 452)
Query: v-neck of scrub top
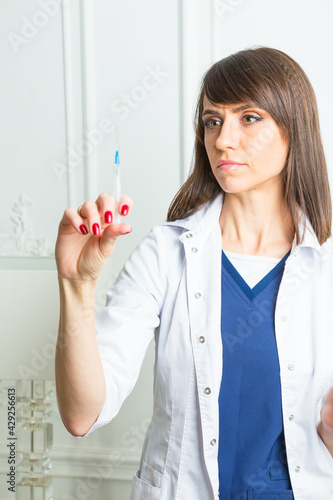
(252, 293)
(251, 455)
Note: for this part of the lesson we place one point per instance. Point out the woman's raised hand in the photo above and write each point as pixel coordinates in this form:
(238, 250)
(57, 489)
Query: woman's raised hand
(85, 242)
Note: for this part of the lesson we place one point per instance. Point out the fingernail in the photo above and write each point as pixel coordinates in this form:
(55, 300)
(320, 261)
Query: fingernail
(128, 231)
(124, 210)
(108, 216)
(96, 229)
(83, 229)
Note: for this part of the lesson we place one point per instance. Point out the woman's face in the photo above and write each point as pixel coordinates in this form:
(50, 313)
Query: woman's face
(248, 136)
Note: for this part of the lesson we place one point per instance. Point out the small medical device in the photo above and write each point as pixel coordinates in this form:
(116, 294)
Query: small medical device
(116, 180)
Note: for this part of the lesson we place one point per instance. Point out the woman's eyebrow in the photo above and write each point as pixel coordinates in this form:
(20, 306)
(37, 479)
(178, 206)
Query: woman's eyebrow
(210, 112)
(234, 111)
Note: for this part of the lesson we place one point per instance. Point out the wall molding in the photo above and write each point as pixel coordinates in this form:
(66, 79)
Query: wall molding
(188, 73)
(72, 64)
(196, 53)
(80, 99)
(20, 241)
(83, 462)
(88, 93)
(109, 464)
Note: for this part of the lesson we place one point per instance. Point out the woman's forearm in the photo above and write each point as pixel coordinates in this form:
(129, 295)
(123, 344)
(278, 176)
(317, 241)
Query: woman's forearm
(79, 373)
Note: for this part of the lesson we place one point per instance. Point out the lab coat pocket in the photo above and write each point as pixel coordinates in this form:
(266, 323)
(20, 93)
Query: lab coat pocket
(253, 494)
(147, 485)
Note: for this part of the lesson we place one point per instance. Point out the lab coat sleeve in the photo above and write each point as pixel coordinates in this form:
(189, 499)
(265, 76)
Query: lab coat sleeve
(127, 323)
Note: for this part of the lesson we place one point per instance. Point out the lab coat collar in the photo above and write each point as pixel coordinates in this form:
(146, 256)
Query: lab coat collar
(204, 219)
(207, 217)
(310, 239)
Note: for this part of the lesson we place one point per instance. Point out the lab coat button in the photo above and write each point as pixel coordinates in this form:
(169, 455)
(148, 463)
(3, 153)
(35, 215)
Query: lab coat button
(213, 442)
(291, 367)
(297, 468)
(197, 295)
(283, 318)
(207, 390)
(202, 339)
(189, 235)
(291, 417)
(194, 250)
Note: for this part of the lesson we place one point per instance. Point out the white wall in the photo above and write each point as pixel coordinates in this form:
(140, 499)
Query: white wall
(68, 76)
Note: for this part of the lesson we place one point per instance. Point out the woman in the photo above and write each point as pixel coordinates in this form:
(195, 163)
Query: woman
(236, 287)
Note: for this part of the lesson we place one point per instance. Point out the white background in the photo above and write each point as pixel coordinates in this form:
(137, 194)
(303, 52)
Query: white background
(70, 70)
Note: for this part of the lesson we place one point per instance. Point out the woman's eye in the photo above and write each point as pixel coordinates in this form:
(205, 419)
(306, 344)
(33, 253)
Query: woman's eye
(211, 123)
(248, 119)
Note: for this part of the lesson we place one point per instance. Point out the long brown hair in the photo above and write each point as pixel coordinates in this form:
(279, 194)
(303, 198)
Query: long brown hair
(273, 81)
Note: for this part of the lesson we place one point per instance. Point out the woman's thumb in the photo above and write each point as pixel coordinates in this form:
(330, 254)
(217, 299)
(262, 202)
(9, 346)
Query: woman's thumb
(110, 235)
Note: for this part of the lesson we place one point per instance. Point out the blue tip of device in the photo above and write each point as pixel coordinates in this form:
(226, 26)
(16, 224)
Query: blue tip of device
(116, 158)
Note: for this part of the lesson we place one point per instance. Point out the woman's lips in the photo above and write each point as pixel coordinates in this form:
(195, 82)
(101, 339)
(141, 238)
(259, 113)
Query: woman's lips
(228, 165)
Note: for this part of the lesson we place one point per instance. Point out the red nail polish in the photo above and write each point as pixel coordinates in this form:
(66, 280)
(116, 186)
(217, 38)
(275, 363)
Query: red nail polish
(96, 229)
(108, 217)
(124, 210)
(83, 229)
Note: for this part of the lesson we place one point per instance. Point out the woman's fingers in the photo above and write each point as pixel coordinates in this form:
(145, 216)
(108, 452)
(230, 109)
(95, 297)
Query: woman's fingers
(71, 219)
(125, 205)
(91, 218)
(106, 207)
(86, 239)
(94, 216)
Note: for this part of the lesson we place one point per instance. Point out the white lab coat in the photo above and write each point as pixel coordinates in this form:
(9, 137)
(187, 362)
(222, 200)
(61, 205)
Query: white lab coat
(170, 288)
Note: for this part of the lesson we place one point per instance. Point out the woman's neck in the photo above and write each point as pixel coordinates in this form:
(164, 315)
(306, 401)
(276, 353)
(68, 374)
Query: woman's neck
(255, 225)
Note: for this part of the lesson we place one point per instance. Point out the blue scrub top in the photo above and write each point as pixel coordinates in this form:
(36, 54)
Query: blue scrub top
(252, 455)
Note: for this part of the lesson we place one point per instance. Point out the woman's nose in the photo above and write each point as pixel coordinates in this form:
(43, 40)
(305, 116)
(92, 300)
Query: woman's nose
(228, 137)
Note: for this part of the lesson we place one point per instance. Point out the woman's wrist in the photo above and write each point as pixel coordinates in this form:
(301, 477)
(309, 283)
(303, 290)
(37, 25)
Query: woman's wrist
(77, 297)
(77, 286)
